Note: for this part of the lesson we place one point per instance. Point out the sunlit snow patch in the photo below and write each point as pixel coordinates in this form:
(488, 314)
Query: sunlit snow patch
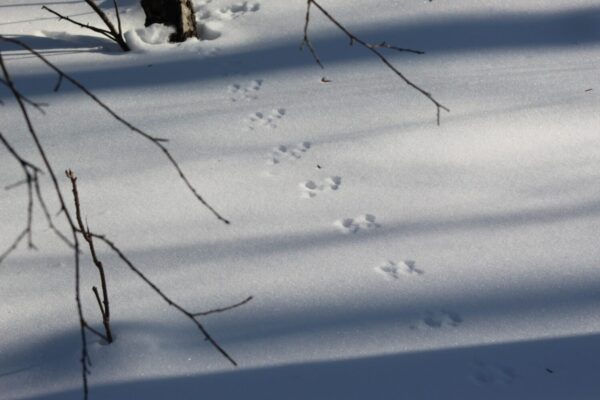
(146, 38)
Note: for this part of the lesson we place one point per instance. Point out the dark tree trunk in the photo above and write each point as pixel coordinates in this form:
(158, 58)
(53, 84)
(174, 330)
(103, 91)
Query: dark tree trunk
(176, 13)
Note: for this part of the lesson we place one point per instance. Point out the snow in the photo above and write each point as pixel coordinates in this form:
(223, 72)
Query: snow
(388, 257)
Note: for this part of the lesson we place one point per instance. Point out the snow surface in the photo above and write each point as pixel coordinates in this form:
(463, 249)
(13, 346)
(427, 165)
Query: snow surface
(388, 257)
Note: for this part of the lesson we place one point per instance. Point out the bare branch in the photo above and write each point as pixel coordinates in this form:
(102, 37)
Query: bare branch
(220, 310)
(104, 305)
(117, 34)
(14, 245)
(158, 142)
(111, 33)
(11, 86)
(76, 224)
(119, 27)
(374, 48)
(96, 332)
(58, 83)
(306, 40)
(167, 299)
(385, 45)
(103, 32)
(84, 359)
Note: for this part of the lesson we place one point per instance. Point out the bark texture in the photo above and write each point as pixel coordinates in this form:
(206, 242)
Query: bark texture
(176, 13)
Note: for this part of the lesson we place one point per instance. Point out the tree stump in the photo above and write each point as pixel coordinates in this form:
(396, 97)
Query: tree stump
(176, 13)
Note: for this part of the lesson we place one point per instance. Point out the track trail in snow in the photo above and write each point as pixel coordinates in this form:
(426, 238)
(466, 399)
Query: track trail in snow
(311, 188)
(392, 270)
(248, 92)
(260, 119)
(438, 319)
(395, 271)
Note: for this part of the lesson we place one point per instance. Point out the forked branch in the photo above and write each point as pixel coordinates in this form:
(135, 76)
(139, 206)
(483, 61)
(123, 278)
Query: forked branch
(373, 48)
(192, 316)
(103, 304)
(114, 34)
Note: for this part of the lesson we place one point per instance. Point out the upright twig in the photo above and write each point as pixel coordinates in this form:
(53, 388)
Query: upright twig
(373, 48)
(115, 34)
(192, 316)
(118, 15)
(104, 305)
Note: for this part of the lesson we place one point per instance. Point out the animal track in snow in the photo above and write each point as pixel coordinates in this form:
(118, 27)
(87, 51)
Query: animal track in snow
(392, 270)
(354, 225)
(236, 10)
(248, 92)
(208, 27)
(311, 188)
(438, 319)
(259, 119)
(210, 20)
(486, 374)
(283, 152)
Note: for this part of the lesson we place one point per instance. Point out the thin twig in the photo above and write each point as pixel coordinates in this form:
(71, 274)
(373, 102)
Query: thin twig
(220, 310)
(111, 32)
(29, 211)
(374, 48)
(84, 359)
(118, 17)
(104, 305)
(101, 31)
(118, 35)
(306, 40)
(96, 332)
(385, 45)
(58, 83)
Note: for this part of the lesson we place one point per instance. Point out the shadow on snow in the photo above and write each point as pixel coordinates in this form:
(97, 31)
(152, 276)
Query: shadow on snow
(554, 368)
(461, 34)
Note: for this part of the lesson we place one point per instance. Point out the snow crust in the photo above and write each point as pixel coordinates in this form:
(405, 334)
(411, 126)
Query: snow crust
(388, 257)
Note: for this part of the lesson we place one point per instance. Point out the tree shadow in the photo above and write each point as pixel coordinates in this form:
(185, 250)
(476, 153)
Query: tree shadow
(55, 43)
(451, 35)
(216, 250)
(260, 246)
(546, 368)
(21, 21)
(44, 3)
